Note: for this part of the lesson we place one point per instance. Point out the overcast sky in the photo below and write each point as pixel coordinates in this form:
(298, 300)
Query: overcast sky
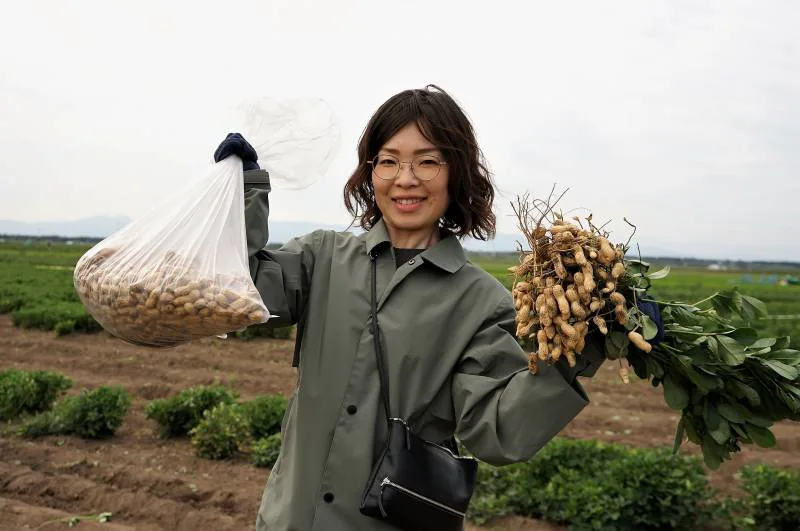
(683, 116)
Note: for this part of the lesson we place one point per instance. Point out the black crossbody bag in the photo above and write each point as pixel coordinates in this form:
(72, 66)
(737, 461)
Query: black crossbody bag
(415, 484)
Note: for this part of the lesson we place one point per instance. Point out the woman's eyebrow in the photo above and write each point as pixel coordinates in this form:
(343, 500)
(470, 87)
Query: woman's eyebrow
(416, 152)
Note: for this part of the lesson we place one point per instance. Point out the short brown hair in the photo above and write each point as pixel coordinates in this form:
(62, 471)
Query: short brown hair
(442, 122)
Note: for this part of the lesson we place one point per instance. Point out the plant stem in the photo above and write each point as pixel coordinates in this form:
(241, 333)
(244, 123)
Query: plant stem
(697, 333)
(698, 303)
(669, 348)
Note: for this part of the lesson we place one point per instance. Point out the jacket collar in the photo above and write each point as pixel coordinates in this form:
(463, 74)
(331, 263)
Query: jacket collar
(447, 254)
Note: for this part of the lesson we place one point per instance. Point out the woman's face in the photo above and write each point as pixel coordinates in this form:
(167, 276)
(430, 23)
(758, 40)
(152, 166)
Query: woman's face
(410, 206)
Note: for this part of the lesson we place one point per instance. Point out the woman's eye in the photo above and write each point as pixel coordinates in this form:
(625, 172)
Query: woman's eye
(428, 162)
(387, 162)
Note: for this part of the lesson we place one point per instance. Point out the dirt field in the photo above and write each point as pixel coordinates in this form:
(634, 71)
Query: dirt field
(151, 484)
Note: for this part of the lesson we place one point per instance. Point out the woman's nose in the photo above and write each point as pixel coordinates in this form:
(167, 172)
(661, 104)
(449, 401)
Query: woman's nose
(406, 176)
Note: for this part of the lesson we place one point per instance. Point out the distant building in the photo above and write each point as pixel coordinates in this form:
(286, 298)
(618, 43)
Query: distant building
(717, 267)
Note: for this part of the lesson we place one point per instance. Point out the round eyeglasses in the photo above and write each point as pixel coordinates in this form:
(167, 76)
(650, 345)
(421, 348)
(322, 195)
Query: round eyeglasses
(424, 167)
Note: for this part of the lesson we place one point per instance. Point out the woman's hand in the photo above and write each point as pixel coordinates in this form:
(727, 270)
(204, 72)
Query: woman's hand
(235, 144)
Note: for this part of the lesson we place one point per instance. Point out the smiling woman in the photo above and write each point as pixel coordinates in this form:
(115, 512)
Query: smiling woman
(402, 343)
(421, 171)
(411, 201)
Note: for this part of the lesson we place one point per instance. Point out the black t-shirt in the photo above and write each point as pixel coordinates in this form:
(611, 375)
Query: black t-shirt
(404, 255)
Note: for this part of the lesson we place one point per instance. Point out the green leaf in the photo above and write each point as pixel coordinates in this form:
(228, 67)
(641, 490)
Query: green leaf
(744, 336)
(661, 273)
(691, 430)
(739, 429)
(787, 399)
(633, 318)
(639, 366)
(751, 417)
(787, 356)
(763, 437)
(743, 437)
(764, 342)
(649, 328)
(742, 390)
(782, 342)
(722, 432)
(675, 394)
(712, 344)
(713, 452)
(786, 371)
(727, 303)
(711, 416)
(684, 334)
(701, 356)
(729, 350)
(683, 315)
(653, 367)
(793, 389)
(704, 383)
(679, 432)
(705, 370)
(755, 353)
(752, 308)
(636, 267)
(616, 345)
(730, 413)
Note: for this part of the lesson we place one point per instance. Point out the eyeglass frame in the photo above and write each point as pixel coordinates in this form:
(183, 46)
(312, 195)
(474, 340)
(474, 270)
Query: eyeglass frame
(409, 162)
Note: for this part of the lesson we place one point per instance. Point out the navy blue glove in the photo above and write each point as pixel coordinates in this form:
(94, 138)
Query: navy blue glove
(235, 144)
(650, 309)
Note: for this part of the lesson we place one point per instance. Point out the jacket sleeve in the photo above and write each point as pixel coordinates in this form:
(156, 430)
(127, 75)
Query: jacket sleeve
(504, 414)
(282, 276)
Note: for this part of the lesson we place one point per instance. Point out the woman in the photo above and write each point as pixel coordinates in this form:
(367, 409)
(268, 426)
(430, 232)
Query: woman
(454, 365)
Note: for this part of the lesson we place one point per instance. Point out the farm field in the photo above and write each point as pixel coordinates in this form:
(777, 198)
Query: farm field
(36, 288)
(153, 484)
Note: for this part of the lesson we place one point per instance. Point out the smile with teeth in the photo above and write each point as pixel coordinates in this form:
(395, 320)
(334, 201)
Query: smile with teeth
(409, 201)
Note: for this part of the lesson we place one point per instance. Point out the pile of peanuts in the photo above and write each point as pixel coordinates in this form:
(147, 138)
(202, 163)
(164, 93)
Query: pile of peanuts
(566, 282)
(167, 303)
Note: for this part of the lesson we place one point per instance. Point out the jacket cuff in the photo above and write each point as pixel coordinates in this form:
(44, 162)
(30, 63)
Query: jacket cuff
(256, 177)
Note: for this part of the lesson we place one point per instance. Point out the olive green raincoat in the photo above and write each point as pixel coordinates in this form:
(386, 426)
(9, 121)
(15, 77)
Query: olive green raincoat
(454, 365)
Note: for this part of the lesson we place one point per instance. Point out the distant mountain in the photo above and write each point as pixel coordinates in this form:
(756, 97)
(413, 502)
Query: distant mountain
(279, 232)
(94, 227)
(282, 231)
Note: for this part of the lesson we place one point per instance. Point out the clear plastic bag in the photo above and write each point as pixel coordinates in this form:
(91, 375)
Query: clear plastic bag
(181, 272)
(296, 139)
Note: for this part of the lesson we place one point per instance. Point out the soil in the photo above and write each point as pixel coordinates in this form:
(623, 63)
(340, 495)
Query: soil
(151, 484)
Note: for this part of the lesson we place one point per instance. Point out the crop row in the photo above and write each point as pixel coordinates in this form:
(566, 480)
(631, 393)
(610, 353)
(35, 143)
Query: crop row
(584, 484)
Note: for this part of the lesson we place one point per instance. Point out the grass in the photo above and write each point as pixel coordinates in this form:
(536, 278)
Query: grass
(36, 287)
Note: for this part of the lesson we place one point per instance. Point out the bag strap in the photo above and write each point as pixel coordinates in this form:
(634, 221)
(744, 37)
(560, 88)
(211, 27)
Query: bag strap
(298, 342)
(376, 332)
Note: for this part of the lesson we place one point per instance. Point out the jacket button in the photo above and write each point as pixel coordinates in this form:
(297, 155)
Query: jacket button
(328, 497)
(411, 262)
(352, 409)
